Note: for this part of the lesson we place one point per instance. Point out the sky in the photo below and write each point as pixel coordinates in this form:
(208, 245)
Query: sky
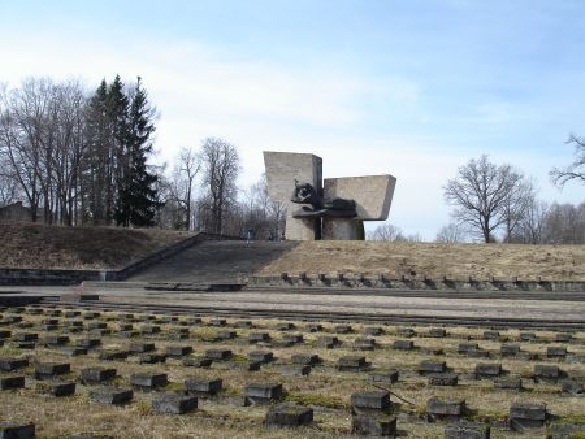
(412, 88)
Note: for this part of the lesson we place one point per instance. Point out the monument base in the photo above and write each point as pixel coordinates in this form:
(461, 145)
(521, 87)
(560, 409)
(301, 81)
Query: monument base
(342, 228)
(300, 229)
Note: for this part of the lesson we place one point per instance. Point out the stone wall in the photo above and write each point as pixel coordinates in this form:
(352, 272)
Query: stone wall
(372, 194)
(282, 168)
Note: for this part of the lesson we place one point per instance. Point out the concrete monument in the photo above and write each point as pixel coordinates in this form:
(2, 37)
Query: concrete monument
(331, 209)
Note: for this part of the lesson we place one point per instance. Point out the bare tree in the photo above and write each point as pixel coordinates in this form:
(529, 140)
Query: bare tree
(531, 227)
(386, 232)
(576, 170)
(451, 233)
(565, 224)
(481, 195)
(186, 169)
(516, 205)
(221, 166)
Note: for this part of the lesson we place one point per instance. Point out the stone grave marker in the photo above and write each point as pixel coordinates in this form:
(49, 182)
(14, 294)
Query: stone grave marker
(467, 430)
(55, 388)
(50, 370)
(203, 386)
(304, 359)
(175, 404)
(327, 341)
(432, 367)
(374, 401)
(178, 351)
(514, 384)
(546, 372)
(10, 382)
(386, 377)
(444, 409)
(403, 345)
(262, 393)
(16, 430)
(352, 363)
(9, 364)
(528, 415)
(111, 395)
(95, 375)
(149, 381)
(288, 416)
(488, 370)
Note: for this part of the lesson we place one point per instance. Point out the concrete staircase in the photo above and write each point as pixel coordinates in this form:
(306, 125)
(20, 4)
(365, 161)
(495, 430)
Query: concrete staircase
(214, 261)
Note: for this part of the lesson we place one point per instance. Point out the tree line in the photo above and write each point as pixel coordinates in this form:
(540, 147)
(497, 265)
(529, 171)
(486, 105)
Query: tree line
(79, 158)
(83, 158)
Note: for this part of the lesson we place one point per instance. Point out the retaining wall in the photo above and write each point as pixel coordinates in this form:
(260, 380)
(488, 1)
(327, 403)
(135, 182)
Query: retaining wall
(320, 281)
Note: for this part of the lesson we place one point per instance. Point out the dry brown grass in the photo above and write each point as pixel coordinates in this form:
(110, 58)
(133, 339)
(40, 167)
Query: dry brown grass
(457, 261)
(58, 417)
(54, 247)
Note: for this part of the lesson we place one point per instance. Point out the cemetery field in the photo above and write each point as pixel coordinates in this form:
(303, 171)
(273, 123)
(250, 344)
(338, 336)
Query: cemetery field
(168, 375)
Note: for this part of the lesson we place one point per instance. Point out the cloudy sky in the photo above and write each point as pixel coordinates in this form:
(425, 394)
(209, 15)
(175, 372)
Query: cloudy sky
(413, 88)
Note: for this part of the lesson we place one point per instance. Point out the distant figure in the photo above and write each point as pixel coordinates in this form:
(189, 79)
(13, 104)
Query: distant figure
(249, 236)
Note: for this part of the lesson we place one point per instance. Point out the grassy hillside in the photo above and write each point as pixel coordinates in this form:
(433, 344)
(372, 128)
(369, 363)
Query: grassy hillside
(52, 247)
(480, 261)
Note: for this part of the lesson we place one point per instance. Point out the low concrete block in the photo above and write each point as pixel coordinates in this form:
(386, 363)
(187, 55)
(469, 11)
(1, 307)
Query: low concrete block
(50, 370)
(509, 349)
(11, 382)
(547, 372)
(343, 329)
(137, 348)
(109, 395)
(443, 379)
(514, 384)
(263, 392)
(201, 362)
(488, 370)
(203, 386)
(15, 430)
(258, 337)
(437, 333)
(528, 415)
(566, 430)
(387, 376)
(373, 426)
(491, 335)
(443, 409)
(352, 363)
(376, 400)
(467, 430)
(304, 359)
(149, 380)
(178, 351)
(556, 351)
(289, 416)
(261, 356)
(403, 345)
(219, 354)
(293, 338)
(55, 388)
(13, 363)
(432, 367)
(94, 375)
(327, 341)
(373, 330)
(175, 404)
(295, 370)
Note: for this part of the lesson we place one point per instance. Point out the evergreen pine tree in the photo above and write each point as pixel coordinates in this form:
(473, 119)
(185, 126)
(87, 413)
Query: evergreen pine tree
(137, 200)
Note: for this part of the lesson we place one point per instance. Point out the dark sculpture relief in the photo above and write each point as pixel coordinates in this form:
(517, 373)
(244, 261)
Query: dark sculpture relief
(305, 193)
